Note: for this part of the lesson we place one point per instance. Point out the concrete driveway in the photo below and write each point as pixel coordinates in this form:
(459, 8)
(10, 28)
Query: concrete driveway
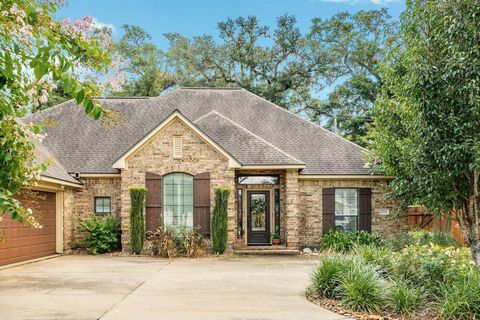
(89, 287)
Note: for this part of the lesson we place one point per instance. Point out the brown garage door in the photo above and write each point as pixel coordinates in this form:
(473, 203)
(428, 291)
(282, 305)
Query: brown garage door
(19, 242)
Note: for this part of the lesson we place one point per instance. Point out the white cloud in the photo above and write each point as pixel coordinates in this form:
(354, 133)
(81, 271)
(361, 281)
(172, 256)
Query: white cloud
(100, 24)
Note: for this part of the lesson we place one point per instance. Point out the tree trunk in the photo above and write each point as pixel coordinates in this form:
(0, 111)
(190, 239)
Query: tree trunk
(471, 220)
(475, 250)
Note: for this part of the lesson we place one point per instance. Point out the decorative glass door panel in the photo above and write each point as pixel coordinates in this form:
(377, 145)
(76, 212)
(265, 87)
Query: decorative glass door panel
(258, 217)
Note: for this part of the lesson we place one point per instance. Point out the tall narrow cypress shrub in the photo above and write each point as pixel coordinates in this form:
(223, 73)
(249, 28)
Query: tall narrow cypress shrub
(220, 220)
(137, 224)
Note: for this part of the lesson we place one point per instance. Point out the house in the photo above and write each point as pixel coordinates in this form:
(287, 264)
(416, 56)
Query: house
(285, 174)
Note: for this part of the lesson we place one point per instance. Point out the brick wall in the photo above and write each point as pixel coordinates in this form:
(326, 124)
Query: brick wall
(78, 204)
(310, 204)
(157, 156)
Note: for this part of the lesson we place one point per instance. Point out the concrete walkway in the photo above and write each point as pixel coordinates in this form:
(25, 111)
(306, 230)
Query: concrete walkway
(89, 287)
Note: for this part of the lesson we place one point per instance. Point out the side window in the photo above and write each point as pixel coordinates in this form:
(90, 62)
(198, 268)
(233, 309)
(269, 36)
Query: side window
(346, 209)
(102, 205)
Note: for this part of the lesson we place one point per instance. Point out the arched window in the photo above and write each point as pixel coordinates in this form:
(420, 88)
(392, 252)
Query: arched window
(178, 200)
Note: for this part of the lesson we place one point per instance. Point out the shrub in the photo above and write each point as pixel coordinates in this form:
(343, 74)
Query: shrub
(325, 278)
(220, 220)
(381, 257)
(137, 224)
(423, 238)
(432, 265)
(340, 241)
(362, 288)
(461, 300)
(404, 298)
(103, 233)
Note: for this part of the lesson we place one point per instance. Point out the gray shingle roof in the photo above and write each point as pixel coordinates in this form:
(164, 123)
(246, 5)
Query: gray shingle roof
(249, 148)
(54, 168)
(245, 125)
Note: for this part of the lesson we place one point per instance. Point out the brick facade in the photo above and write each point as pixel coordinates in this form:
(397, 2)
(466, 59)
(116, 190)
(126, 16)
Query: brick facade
(300, 199)
(79, 203)
(157, 156)
(310, 204)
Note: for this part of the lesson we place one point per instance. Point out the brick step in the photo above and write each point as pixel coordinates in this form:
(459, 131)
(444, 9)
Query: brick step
(266, 250)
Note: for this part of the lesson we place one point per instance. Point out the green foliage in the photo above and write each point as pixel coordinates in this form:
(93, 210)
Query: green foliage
(423, 238)
(339, 241)
(102, 233)
(150, 68)
(220, 220)
(137, 224)
(461, 300)
(427, 117)
(282, 65)
(325, 278)
(31, 39)
(432, 265)
(275, 235)
(355, 45)
(419, 280)
(362, 288)
(376, 255)
(404, 298)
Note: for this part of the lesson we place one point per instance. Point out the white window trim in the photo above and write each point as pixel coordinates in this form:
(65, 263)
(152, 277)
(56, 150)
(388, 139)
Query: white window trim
(357, 216)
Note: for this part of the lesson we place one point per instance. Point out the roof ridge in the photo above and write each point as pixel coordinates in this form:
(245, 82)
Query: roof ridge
(121, 97)
(210, 88)
(251, 133)
(309, 122)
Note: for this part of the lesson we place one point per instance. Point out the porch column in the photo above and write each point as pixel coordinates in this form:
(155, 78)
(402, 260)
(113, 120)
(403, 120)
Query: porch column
(292, 218)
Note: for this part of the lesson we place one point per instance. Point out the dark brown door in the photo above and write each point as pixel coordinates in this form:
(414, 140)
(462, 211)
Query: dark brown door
(258, 217)
(20, 242)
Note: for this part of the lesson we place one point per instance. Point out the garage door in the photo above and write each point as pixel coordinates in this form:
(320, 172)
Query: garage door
(19, 242)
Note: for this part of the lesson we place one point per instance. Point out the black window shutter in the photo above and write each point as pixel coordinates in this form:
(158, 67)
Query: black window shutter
(365, 209)
(328, 209)
(201, 203)
(153, 201)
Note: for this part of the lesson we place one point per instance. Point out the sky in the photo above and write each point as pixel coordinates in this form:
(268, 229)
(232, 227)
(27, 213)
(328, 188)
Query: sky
(197, 17)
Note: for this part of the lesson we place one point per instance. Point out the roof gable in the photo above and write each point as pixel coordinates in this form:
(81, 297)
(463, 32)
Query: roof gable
(120, 163)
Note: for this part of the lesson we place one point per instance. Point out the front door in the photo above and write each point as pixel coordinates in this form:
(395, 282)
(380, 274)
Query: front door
(258, 217)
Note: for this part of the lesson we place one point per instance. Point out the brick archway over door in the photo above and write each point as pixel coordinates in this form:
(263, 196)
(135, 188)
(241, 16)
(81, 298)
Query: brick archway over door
(19, 242)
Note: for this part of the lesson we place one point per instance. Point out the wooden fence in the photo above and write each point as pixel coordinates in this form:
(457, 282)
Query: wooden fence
(420, 219)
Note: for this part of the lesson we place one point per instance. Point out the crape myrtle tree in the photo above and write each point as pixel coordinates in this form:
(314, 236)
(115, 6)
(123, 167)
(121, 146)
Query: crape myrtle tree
(427, 118)
(37, 51)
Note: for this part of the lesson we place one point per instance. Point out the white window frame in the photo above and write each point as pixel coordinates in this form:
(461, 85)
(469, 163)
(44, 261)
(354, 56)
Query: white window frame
(356, 216)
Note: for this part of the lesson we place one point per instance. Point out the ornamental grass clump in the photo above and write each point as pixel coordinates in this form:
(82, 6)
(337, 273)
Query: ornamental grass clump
(377, 256)
(462, 299)
(170, 242)
(404, 298)
(325, 278)
(137, 223)
(362, 288)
